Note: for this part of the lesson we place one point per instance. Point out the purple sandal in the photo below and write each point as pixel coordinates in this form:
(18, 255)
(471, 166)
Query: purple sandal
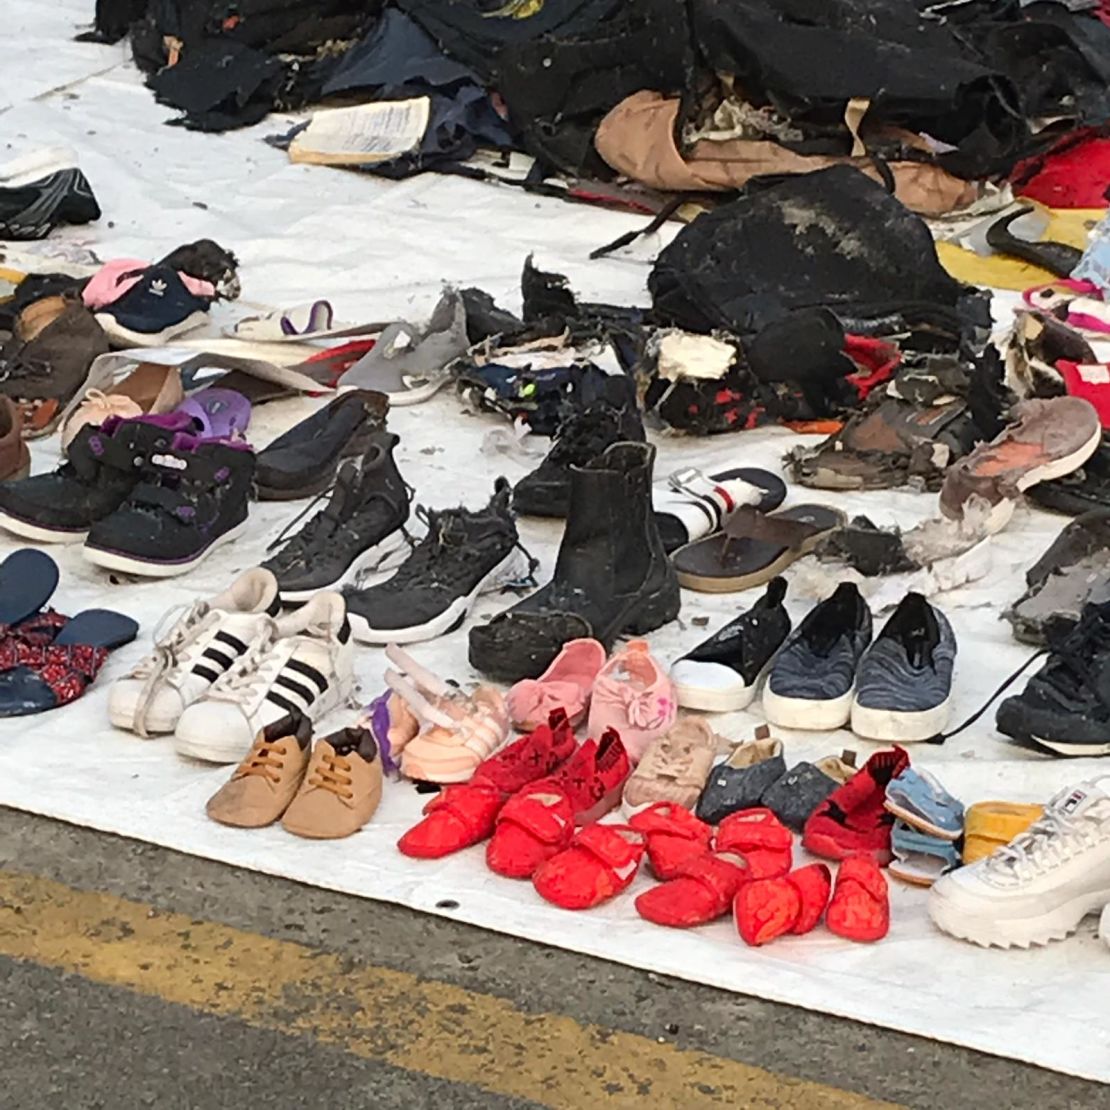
(219, 413)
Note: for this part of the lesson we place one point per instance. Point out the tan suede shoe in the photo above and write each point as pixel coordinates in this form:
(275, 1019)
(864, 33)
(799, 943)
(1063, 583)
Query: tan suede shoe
(341, 790)
(674, 768)
(264, 784)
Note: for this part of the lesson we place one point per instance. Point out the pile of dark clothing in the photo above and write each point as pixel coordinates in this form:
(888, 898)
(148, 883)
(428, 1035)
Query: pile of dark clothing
(699, 97)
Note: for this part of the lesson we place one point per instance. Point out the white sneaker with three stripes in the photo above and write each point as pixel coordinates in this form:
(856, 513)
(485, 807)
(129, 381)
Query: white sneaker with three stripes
(205, 642)
(303, 663)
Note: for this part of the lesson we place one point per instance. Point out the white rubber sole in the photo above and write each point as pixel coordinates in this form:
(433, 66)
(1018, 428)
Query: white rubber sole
(511, 569)
(994, 931)
(810, 714)
(895, 726)
(1062, 747)
(36, 532)
(713, 699)
(127, 564)
(210, 748)
(1104, 926)
(383, 557)
(128, 338)
(155, 726)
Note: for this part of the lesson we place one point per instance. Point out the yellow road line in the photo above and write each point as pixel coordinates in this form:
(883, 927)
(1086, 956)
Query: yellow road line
(377, 1013)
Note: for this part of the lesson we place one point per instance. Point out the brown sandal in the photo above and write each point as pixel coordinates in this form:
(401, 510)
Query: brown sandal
(753, 548)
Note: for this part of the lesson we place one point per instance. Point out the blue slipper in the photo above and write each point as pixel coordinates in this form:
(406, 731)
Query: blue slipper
(918, 799)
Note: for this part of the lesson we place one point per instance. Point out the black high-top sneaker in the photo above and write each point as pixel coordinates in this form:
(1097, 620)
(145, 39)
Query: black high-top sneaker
(192, 498)
(103, 466)
(359, 530)
(721, 674)
(465, 553)
(583, 437)
(612, 576)
(1065, 706)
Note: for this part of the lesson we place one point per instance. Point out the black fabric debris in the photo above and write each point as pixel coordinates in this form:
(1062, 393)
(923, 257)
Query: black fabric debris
(218, 85)
(560, 86)
(833, 239)
(476, 31)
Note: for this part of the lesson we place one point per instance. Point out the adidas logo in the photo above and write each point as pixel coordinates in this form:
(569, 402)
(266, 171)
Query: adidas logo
(157, 288)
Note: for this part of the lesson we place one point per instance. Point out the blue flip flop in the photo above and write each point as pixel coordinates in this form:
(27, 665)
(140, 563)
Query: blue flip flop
(28, 578)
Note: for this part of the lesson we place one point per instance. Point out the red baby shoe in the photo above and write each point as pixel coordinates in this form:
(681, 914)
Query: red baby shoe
(813, 884)
(702, 890)
(530, 758)
(457, 817)
(851, 821)
(532, 826)
(674, 837)
(602, 860)
(860, 906)
(592, 778)
(761, 838)
(766, 909)
(465, 814)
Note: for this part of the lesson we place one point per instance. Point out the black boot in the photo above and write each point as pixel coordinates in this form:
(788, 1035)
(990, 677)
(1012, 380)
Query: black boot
(582, 437)
(612, 575)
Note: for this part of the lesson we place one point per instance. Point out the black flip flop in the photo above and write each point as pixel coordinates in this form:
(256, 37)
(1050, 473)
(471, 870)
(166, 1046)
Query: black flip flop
(28, 578)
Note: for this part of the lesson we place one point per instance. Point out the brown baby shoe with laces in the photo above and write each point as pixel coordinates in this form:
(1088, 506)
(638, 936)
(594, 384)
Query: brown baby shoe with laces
(267, 780)
(342, 787)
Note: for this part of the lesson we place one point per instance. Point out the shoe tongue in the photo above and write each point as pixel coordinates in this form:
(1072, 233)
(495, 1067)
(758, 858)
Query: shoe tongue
(352, 740)
(1079, 799)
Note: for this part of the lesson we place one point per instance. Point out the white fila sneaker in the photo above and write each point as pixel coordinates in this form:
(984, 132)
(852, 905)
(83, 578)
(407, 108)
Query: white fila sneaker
(1040, 886)
(305, 665)
(199, 649)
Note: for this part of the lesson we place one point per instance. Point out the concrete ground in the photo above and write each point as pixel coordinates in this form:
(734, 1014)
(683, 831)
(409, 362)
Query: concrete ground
(132, 976)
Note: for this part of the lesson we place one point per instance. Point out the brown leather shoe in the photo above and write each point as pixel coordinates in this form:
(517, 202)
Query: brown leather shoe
(46, 362)
(15, 459)
(264, 784)
(341, 790)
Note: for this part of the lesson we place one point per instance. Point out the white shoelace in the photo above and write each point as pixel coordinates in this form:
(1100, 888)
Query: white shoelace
(1050, 841)
(187, 623)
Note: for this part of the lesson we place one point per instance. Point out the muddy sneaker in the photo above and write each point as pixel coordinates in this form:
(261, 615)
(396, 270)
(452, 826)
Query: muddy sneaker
(813, 679)
(583, 437)
(46, 362)
(1047, 440)
(262, 786)
(202, 645)
(1065, 706)
(104, 466)
(43, 191)
(464, 554)
(192, 497)
(1039, 887)
(1073, 572)
(359, 530)
(904, 682)
(302, 664)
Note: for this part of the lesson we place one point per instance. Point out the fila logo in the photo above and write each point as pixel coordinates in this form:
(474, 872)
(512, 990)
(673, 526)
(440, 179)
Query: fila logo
(157, 288)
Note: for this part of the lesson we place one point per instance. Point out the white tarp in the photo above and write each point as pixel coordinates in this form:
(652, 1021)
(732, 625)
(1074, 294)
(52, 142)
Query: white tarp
(376, 250)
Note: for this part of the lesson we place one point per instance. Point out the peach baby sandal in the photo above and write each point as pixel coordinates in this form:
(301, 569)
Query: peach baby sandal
(566, 685)
(633, 695)
(458, 731)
